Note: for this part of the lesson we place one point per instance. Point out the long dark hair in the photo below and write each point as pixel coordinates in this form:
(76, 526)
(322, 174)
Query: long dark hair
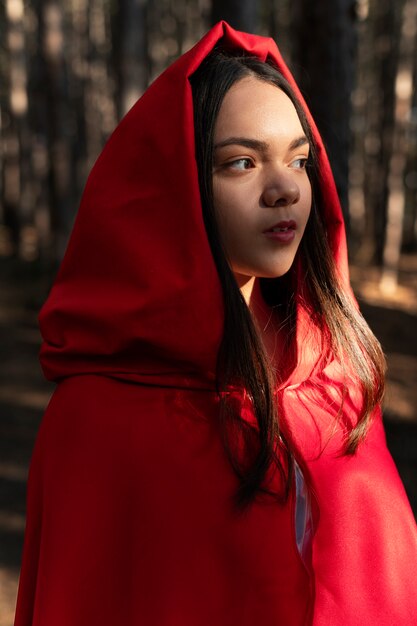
(242, 361)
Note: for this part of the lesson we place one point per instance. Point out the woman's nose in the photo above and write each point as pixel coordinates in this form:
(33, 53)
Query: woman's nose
(281, 190)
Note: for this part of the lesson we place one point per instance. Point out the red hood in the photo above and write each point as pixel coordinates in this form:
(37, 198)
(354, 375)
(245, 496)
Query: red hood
(137, 294)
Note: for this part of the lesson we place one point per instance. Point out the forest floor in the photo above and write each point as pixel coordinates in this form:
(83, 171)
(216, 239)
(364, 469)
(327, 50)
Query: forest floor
(24, 393)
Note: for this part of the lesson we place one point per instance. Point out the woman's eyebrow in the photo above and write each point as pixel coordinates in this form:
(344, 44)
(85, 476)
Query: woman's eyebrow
(297, 143)
(256, 144)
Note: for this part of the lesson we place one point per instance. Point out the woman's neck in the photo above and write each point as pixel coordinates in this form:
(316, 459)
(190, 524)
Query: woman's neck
(246, 285)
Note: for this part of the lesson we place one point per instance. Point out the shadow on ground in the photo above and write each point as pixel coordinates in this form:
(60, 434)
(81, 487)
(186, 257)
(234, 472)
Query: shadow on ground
(397, 331)
(23, 396)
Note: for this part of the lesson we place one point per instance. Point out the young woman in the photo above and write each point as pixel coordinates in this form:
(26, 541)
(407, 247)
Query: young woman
(214, 452)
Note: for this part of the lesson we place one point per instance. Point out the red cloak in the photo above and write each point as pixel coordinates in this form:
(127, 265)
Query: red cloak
(129, 516)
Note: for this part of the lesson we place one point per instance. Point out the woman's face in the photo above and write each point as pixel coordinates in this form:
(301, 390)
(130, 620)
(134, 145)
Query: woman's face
(262, 194)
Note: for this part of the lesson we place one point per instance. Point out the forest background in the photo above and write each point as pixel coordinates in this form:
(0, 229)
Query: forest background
(70, 70)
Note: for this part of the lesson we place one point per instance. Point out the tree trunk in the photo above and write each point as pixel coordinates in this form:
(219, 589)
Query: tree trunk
(18, 213)
(99, 106)
(385, 25)
(240, 14)
(410, 218)
(276, 23)
(132, 57)
(397, 163)
(55, 119)
(324, 56)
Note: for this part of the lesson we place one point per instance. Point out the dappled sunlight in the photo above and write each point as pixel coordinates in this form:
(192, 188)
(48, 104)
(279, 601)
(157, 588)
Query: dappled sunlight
(8, 589)
(10, 470)
(369, 286)
(19, 396)
(11, 521)
(392, 315)
(23, 397)
(389, 295)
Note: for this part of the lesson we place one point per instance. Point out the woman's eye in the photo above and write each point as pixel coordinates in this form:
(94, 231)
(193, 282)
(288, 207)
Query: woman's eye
(240, 164)
(300, 163)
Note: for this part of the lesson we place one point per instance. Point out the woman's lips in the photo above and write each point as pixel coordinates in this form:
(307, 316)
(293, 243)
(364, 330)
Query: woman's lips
(283, 232)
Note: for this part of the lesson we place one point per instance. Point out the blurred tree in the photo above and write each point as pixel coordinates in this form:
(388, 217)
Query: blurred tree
(275, 22)
(131, 45)
(241, 14)
(410, 180)
(324, 54)
(14, 131)
(383, 54)
(55, 117)
(99, 100)
(398, 155)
